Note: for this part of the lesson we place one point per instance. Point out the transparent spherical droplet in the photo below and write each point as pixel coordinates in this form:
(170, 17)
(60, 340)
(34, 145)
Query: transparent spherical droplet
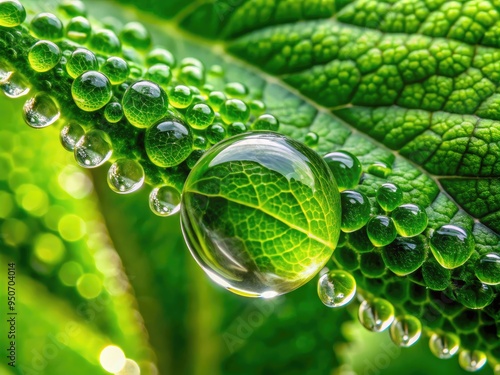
(15, 87)
(113, 112)
(236, 128)
(488, 269)
(106, 42)
(345, 167)
(444, 345)
(116, 69)
(236, 90)
(160, 56)
(336, 288)
(165, 201)
(410, 220)
(191, 61)
(79, 29)
(70, 135)
(168, 142)
(81, 61)
(472, 360)
(40, 111)
(5, 74)
(381, 230)
(216, 71)
(93, 149)
(228, 229)
(311, 139)
(435, 277)
(200, 115)
(234, 110)
(91, 91)
(355, 210)
(160, 73)
(192, 76)
(180, 96)
(144, 103)
(216, 99)
(405, 330)
(200, 142)
(389, 196)
(12, 13)
(257, 107)
(44, 55)
(266, 122)
(73, 8)
(376, 314)
(47, 26)
(451, 245)
(474, 295)
(379, 169)
(405, 255)
(125, 176)
(136, 35)
(216, 133)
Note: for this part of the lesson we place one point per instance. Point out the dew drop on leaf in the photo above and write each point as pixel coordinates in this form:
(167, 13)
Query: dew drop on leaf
(234, 110)
(389, 196)
(261, 214)
(180, 96)
(379, 169)
(81, 61)
(355, 210)
(93, 149)
(113, 112)
(144, 103)
(472, 360)
(410, 220)
(165, 200)
(44, 55)
(116, 69)
(488, 269)
(336, 288)
(70, 135)
(78, 29)
(345, 167)
(91, 91)
(376, 314)
(381, 230)
(125, 176)
(405, 330)
(15, 86)
(444, 345)
(266, 122)
(40, 111)
(451, 245)
(12, 13)
(47, 26)
(200, 116)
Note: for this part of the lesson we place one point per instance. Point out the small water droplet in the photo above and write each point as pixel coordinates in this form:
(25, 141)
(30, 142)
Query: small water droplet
(40, 111)
(12, 13)
(381, 230)
(405, 330)
(389, 196)
(444, 345)
(144, 103)
(125, 176)
(472, 360)
(488, 269)
(410, 220)
(165, 201)
(70, 135)
(15, 87)
(345, 167)
(93, 149)
(336, 288)
(379, 169)
(451, 245)
(355, 210)
(376, 314)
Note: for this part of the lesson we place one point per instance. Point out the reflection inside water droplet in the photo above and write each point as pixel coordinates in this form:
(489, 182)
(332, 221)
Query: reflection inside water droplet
(40, 111)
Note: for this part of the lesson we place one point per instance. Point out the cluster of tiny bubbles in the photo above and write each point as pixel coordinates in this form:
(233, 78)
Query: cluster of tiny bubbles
(444, 345)
(472, 360)
(47, 26)
(144, 103)
(91, 91)
(376, 314)
(12, 13)
(40, 111)
(165, 200)
(451, 245)
(336, 288)
(405, 330)
(78, 29)
(488, 269)
(125, 176)
(93, 149)
(44, 56)
(70, 135)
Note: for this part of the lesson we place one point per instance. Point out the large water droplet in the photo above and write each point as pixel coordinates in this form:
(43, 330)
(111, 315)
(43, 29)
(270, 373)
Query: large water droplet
(93, 149)
(405, 330)
(451, 245)
(336, 288)
(15, 87)
(70, 135)
(472, 360)
(488, 269)
(12, 13)
(125, 176)
(248, 209)
(376, 314)
(165, 201)
(444, 345)
(40, 111)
